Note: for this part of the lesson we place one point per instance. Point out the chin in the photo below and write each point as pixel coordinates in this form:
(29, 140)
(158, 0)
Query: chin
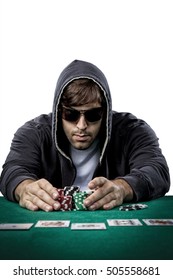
(81, 146)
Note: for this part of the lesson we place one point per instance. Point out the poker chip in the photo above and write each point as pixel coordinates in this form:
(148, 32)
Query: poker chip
(71, 198)
(89, 192)
(70, 190)
(132, 207)
(78, 200)
(65, 202)
(60, 192)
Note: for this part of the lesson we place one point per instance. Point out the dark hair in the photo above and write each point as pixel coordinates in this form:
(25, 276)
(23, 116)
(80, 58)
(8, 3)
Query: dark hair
(82, 91)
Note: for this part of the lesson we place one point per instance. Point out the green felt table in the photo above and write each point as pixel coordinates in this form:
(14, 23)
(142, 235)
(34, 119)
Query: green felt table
(114, 243)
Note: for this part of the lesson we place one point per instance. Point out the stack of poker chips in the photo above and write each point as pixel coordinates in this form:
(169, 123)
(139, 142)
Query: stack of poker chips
(71, 198)
(78, 200)
(64, 200)
(132, 207)
(71, 190)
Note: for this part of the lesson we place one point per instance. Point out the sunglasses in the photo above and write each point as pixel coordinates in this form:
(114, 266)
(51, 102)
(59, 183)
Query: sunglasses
(72, 115)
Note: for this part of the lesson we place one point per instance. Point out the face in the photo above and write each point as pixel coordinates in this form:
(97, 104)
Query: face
(82, 133)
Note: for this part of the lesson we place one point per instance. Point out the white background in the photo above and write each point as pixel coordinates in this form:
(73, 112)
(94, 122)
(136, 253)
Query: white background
(106, 266)
(131, 41)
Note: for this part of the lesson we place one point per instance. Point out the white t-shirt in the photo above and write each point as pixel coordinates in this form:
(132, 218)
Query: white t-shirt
(85, 162)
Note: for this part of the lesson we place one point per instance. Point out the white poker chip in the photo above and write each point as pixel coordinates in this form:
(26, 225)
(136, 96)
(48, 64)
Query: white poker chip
(132, 207)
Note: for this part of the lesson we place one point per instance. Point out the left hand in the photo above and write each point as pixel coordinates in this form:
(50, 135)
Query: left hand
(108, 193)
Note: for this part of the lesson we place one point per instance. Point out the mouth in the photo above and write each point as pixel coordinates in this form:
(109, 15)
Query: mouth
(81, 137)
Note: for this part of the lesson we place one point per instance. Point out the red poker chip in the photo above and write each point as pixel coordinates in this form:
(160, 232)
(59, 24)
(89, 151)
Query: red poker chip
(60, 192)
(66, 203)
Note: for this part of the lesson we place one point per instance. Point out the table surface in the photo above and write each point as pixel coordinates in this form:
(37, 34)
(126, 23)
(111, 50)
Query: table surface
(114, 243)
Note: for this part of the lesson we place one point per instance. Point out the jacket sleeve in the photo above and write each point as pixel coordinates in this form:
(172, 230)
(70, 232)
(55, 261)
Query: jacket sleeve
(148, 170)
(23, 159)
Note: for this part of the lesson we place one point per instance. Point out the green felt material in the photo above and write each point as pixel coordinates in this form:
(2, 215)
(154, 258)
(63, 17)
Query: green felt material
(114, 243)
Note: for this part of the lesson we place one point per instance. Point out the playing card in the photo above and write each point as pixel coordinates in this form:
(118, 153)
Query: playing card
(158, 222)
(90, 226)
(18, 226)
(124, 222)
(56, 223)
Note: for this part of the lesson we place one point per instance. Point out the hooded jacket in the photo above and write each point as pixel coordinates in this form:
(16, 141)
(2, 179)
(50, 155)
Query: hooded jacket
(129, 147)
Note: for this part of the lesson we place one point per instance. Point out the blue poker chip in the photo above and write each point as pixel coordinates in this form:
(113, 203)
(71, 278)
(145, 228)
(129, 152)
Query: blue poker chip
(132, 207)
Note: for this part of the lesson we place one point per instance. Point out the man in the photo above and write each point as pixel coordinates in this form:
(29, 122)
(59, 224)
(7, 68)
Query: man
(84, 142)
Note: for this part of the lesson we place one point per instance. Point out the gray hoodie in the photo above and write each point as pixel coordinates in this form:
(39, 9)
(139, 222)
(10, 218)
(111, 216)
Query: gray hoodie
(129, 147)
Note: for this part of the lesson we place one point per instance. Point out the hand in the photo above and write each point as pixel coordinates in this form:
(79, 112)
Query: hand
(108, 194)
(35, 195)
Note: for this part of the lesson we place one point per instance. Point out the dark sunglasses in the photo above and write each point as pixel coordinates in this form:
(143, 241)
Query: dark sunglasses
(72, 115)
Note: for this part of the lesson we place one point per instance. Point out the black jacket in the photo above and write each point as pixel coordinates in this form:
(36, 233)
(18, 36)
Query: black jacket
(129, 147)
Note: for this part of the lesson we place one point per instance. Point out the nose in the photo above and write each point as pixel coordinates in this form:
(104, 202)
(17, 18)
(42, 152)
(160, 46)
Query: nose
(82, 124)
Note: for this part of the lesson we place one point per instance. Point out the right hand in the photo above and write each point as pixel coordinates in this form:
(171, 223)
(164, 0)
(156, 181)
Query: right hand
(35, 195)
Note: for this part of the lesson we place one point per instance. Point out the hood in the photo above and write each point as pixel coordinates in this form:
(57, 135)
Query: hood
(76, 70)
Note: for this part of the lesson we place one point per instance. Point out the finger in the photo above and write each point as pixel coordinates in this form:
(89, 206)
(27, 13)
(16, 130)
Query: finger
(38, 204)
(39, 201)
(112, 204)
(44, 196)
(46, 186)
(99, 194)
(41, 204)
(44, 201)
(116, 201)
(26, 203)
(102, 201)
(29, 205)
(97, 182)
